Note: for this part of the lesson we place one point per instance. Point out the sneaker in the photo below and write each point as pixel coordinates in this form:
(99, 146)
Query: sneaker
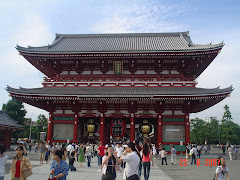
(99, 170)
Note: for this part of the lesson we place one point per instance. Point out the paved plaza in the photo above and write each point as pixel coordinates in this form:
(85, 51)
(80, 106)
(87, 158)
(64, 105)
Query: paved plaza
(158, 172)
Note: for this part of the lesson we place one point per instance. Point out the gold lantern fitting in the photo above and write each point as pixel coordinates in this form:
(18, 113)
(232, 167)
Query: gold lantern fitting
(145, 128)
(91, 127)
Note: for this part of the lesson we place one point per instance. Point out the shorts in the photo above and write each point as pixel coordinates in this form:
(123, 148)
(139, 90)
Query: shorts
(41, 155)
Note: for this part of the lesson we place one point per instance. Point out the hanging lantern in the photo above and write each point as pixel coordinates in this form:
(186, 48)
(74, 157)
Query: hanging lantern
(145, 128)
(91, 127)
(117, 128)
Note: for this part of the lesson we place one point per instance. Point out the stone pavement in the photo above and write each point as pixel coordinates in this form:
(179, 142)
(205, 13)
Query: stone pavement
(41, 172)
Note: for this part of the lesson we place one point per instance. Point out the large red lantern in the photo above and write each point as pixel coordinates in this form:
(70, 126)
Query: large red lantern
(117, 128)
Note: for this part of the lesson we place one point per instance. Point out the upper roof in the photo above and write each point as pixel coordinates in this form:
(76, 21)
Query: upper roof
(6, 121)
(128, 42)
(148, 92)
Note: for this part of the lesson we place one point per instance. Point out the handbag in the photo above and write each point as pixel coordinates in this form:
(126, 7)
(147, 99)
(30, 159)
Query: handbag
(27, 173)
(51, 178)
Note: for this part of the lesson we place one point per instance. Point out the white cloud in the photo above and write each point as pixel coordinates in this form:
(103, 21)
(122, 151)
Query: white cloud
(140, 18)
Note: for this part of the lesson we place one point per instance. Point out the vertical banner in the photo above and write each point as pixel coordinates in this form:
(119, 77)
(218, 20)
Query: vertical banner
(117, 67)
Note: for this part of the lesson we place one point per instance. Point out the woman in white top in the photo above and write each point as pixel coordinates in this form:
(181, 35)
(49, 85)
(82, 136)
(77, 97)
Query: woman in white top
(3, 161)
(222, 170)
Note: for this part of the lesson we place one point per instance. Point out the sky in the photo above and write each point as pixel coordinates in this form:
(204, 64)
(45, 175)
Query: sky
(36, 22)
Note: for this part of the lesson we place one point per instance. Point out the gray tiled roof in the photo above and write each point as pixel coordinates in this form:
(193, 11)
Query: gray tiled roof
(5, 120)
(130, 42)
(120, 92)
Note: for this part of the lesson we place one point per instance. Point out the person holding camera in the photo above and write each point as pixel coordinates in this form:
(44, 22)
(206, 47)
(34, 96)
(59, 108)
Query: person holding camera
(132, 160)
(110, 165)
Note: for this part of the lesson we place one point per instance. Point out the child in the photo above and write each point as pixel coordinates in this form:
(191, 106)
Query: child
(71, 162)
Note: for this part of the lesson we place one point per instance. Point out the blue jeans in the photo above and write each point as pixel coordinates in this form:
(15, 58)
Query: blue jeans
(146, 168)
(140, 170)
(88, 161)
(193, 157)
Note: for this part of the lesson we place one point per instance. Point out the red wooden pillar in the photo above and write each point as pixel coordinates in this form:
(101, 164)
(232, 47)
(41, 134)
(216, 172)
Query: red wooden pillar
(102, 123)
(159, 130)
(132, 128)
(7, 138)
(50, 129)
(187, 129)
(75, 128)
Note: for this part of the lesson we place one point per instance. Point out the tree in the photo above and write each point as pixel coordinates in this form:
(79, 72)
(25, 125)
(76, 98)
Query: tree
(197, 130)
(15, 110)
(227, 116)
(42, 123)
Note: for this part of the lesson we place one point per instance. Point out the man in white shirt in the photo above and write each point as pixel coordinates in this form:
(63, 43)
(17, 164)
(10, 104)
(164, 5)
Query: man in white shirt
(119, 151)
(69, 149)
(132, 160)
(173, 155)
(89, 151)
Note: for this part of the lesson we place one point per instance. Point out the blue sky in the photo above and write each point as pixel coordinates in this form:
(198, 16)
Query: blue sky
(35, 23)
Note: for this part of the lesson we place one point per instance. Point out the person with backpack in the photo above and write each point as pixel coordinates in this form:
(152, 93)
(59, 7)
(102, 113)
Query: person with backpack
(222, 170)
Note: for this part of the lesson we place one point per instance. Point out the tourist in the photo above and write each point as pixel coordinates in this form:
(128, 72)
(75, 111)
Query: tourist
(64, 152)
(81, 155)
(163, 155)
(139, 149)
(193, 153)
(41, 150)
(58, 167)
(146, 160)
(30, 146)
(101, 153)
(230, 152)
(119, 151)
(236, 153)
(223, 149)
(173, 155)
(187, 154)
(3, 161)
(52, 150)
(132, 160)
(154, 150)
(205, 148)
(47, 153)
(71, 161)
(222, 170)
(76, 151)
(199, 149)
(36, 146)
(69, 149)
(110, 165)
(88, 154)
(21, 165)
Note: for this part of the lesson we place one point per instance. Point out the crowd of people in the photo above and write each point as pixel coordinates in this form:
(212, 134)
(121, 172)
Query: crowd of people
(130, 158)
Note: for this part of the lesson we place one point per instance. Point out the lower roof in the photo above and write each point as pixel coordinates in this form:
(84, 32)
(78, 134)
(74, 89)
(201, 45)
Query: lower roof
(120, 91)
(6, 121)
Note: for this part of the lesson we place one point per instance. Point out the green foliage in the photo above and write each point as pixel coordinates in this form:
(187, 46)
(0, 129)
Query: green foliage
(15, 110)
(42, 123)
(227, 116)
(228, 131)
